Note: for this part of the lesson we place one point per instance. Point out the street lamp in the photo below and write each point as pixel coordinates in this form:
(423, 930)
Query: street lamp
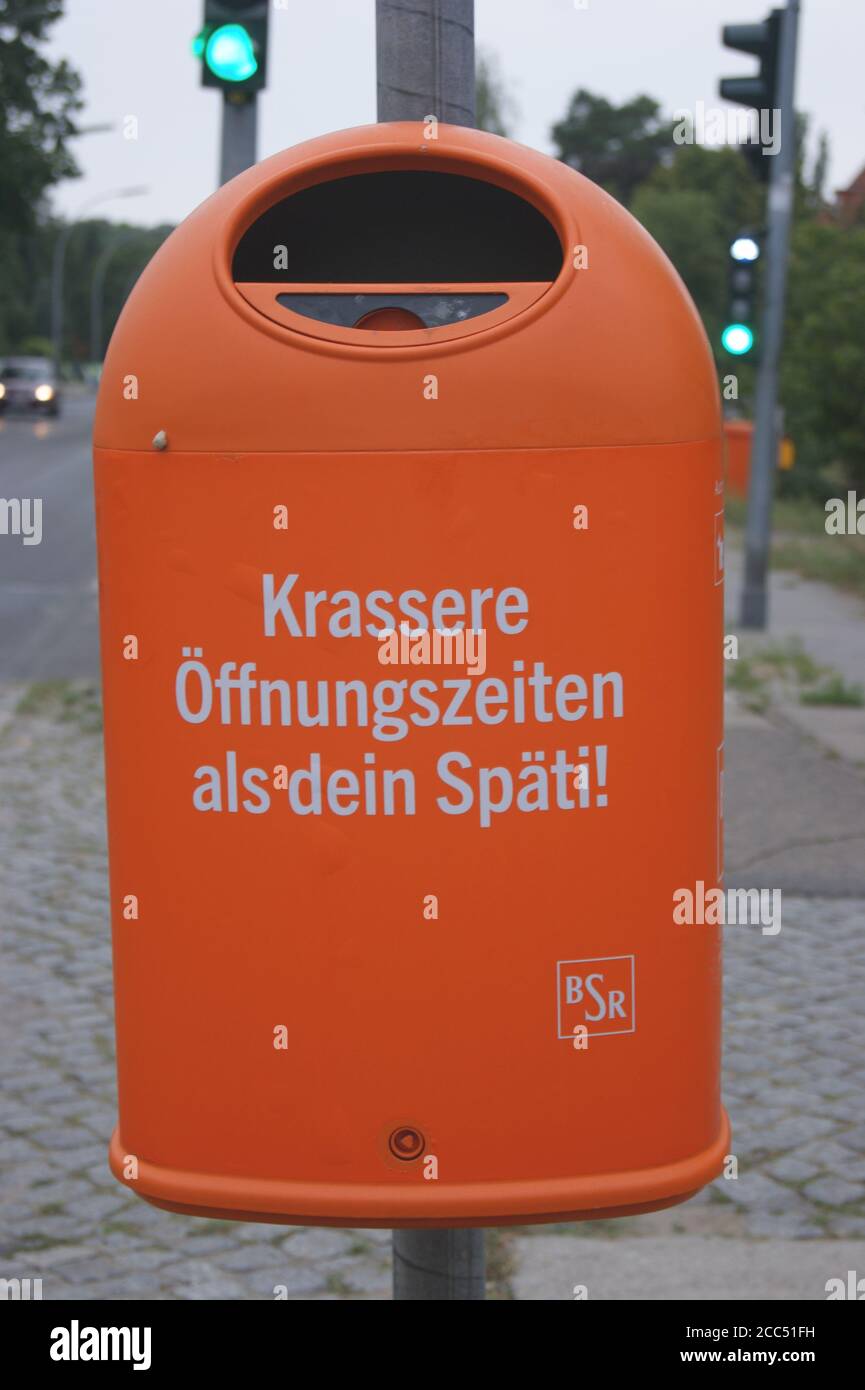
(58, 264)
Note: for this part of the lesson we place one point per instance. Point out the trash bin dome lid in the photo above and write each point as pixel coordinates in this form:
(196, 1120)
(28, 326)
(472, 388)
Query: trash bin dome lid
(389, 252)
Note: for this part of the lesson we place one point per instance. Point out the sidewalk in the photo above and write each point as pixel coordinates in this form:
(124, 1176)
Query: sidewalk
(795, 783)
(680, 1268)
(830, 624)
(830, 627)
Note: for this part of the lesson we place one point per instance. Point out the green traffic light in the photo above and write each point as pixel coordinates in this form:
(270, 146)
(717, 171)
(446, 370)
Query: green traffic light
(230, 53)
(737, 339)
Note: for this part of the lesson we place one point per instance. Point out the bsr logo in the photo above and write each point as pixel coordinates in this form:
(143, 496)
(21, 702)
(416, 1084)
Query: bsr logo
(596, 997)
(610, 1002)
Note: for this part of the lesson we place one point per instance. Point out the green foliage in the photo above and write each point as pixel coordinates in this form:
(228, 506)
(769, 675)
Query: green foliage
(119, 250)
(823, 365)
(78, 702)
(495, 108)
(693, 200)
(800, 541)
(38, 102)
(692, 208)
(835, 691)
(16, 317)
(615, 146)
(838, 560)
(25, 314)
(790, 659)
(787, 669)
(36, 346)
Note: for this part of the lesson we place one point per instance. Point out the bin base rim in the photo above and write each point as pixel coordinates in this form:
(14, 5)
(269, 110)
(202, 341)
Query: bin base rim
(432, 1204)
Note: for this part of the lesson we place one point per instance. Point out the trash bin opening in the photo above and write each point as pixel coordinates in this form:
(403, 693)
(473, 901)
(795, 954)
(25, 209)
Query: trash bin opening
(399, 226)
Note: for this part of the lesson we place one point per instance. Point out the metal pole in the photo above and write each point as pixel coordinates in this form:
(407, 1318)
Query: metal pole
(439, 1265)
(765, 446)
(239, 136)
(425, 58)
(96, 288)
(425, 53)
(58, 262)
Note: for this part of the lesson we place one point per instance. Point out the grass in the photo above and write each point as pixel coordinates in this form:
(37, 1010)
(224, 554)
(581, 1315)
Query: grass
(338, 1284)
(791, 659)
(361, 1247)
(743, 677)
(780, 663)
(835, 691)
(800, 542)
(837, 560)
(500, 1264)
(787, 664)
(75, 702)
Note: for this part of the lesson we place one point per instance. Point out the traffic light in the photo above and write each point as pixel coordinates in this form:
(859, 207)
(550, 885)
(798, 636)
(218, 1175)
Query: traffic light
(738, 336)
(760, 92)
(232, 45)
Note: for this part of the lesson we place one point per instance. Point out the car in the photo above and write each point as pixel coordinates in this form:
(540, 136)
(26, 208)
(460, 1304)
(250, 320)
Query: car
(30, 383)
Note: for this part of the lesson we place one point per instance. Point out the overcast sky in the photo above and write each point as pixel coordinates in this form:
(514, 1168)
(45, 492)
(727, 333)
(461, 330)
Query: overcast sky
(135, 58)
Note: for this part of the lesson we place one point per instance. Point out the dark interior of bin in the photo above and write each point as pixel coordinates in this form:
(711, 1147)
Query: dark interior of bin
(400, 227)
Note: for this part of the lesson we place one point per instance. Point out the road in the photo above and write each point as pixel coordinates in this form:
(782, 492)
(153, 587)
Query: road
(48, 592)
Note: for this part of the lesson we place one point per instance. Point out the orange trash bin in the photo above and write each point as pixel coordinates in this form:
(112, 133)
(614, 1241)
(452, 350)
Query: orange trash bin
(738, 438)
(738, 442)
(409, 500)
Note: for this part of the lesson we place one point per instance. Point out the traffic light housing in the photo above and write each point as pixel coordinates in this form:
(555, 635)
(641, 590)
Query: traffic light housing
(739, 333)
(759, 91)
(232, 46)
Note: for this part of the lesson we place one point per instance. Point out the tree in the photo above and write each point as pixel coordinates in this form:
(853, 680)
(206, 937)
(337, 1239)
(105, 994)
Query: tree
(693, 208)
(38, 102)
(694, 200)
(495, 108)
(823, 366)
(119, 252)
(615, 146)
(810, 187)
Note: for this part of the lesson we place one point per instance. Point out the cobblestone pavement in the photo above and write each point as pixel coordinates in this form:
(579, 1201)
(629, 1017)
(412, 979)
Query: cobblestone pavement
(794, 1080)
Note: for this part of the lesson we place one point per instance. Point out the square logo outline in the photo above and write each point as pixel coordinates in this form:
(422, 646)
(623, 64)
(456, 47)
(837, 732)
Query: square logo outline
(610, 1032)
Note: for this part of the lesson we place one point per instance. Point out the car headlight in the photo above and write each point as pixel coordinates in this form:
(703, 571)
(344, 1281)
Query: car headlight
(2, 390)
(44, 393)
